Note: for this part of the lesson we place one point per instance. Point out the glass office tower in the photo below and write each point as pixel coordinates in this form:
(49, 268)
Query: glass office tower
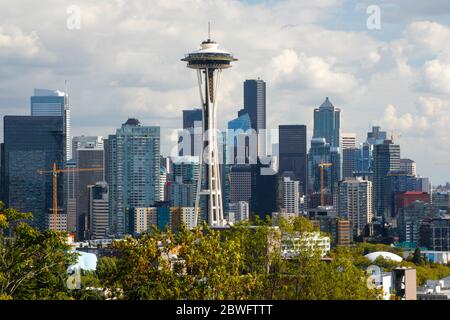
(32, 144)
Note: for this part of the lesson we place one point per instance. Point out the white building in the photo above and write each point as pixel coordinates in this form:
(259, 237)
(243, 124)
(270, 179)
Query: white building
(292, 246)
(188, 216)
(348, 141)
(291, 195)
(408, 166)
(86, 142)
(238, 211)
(58, 223)
(355, 202)
(162, 183)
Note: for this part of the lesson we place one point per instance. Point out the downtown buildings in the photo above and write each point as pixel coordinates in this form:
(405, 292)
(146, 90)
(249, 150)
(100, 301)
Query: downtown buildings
(133, 162)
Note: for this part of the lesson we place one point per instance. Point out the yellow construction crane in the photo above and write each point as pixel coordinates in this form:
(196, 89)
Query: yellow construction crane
(321, 166)
(54, 173)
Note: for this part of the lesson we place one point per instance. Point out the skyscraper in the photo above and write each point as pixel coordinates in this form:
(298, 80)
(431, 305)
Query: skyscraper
(183, 187)
(54, 103)
(80, 142)
(238, 150)
(32, 144)
(89, 157)
(98, 210)
(327, 123)
(376, 136)
(349, 162)
(386, 157)
(355, 203)
(291, 195)
(319, 153)
(293, 152)
(348, 141)
(134, 160)
(255, 103)
(191, 119)
(363, 159)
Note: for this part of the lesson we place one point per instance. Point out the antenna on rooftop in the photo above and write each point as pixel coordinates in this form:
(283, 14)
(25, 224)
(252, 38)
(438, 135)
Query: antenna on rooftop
(209, 30)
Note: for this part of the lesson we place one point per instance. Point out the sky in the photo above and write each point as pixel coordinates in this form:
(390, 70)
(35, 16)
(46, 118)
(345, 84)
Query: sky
(124, 61)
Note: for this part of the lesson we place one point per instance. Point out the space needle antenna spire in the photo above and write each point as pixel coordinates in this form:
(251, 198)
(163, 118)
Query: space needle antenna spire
(209, 61)
(209, 30)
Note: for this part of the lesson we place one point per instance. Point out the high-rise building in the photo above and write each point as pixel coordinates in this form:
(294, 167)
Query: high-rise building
(349, 162)
(363, 159)
(182, 188)
(386, 158)
(255, 103)
(376, 136)
(293, 152)
(91, 142)
(98, 211)
(192, 123)
(319, 153)
(327, 123)
(134, 160)
(355, 203)
(239, 211)
(71, 196)
(240, 183)
(409, 166)
(238, 145)
(410, 220)
(32, 144)
(440, 234)
(89, 157)
(162, 183)
(46, 102)
(348, 141)
(266, 193)
(441, 200)
(399, 182)
(291, 195)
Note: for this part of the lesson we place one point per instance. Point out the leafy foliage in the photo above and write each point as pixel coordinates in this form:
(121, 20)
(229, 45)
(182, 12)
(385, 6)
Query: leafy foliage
(32, 264)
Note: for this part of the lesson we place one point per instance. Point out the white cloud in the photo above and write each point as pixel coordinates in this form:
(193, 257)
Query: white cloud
(14, 42)
(436, 75)
(310, 72)
(125, 61)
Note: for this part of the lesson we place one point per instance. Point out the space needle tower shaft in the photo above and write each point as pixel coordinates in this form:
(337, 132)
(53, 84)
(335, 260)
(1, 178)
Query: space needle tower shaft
(209, 61)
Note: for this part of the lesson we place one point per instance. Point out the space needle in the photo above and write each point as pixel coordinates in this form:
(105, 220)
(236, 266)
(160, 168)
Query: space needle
(209, 61)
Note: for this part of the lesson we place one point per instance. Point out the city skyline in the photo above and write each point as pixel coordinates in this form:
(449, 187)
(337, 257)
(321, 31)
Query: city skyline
(395, 77)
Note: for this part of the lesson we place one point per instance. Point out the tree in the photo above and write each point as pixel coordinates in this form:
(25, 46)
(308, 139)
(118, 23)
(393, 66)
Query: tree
(33, 264)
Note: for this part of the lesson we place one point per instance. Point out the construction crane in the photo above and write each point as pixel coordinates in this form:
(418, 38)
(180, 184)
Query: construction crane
(321, 166)
(55, 173)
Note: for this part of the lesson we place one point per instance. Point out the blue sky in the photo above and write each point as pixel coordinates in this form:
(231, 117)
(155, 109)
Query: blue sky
(124, 61)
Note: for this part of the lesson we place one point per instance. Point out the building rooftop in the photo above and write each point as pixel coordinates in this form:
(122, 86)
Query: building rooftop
(132, 122)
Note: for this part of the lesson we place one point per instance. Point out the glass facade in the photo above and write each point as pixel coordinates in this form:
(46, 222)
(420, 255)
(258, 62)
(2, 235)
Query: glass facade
(32, 144)
(293, 152)
(327, 123)
(134, 170)
(53, 103)
(255, 103)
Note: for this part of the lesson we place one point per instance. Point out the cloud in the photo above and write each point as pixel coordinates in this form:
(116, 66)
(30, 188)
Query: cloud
(14, 42)
(310, 72)
(125, 61)
(436, 74)
(431, 119)
(428, 37)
